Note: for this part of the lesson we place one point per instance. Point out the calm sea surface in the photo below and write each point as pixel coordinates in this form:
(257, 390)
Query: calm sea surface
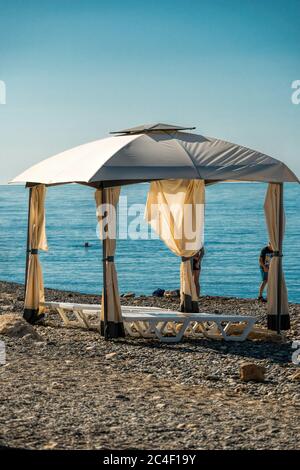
(235, 232)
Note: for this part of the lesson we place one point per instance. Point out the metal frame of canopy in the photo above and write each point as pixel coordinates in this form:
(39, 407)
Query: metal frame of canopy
(104, 257)
(146, 130)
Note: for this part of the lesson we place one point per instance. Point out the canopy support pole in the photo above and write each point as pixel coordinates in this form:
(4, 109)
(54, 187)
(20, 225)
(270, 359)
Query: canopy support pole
(27, 241)
(104, 251)
(279, 272)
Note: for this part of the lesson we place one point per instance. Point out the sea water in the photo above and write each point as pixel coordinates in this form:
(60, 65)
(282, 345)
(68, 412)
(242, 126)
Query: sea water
(235, 232)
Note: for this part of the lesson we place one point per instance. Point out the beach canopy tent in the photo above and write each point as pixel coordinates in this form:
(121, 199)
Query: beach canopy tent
(174, 157)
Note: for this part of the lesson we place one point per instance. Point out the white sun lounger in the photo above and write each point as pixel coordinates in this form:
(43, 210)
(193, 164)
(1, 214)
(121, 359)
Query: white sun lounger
(83, 312)
(80, 311)
(168, 326)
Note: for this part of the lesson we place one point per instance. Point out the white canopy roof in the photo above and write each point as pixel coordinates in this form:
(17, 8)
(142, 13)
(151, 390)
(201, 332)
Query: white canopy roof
(155, 152)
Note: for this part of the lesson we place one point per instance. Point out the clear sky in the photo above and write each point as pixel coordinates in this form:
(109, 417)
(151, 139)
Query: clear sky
(76, 69)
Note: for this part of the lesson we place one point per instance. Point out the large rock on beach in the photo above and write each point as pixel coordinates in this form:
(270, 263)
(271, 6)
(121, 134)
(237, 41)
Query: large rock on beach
(129, 295)
(252, 372)
(14, 326)
(258, 333)
(172, 293)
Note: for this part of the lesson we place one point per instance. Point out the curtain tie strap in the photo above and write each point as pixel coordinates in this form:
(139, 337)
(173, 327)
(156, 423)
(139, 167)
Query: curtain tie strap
(184, 258)
(278, 254)
(34, 251)
(109, 259)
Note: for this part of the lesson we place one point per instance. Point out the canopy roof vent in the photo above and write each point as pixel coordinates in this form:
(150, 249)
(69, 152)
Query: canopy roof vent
(153, 128)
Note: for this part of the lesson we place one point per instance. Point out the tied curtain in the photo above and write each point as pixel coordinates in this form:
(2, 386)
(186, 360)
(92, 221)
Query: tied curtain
(276, 231)
(114, 327)
(175, 211)
(34, 294)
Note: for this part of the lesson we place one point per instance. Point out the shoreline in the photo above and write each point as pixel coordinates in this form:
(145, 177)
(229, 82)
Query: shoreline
(52, 290)
(209, 304)
(72, 390)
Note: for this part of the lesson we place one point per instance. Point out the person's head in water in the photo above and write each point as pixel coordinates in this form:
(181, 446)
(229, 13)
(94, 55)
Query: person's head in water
(86, 245)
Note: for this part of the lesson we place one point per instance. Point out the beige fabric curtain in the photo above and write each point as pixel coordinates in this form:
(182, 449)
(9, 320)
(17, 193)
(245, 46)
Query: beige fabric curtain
(175, 210)
(114, 325)
(37, 241)
(272, 214)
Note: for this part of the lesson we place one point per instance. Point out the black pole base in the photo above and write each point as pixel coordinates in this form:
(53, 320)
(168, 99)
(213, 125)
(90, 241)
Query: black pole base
(32, 316)
(285, 323)
(188, 305)
(113, 330)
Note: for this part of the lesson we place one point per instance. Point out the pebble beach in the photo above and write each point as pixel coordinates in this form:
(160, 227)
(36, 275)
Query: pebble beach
(67, 388)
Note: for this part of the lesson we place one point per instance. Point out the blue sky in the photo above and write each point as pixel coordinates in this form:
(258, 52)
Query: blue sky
(74, 70)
